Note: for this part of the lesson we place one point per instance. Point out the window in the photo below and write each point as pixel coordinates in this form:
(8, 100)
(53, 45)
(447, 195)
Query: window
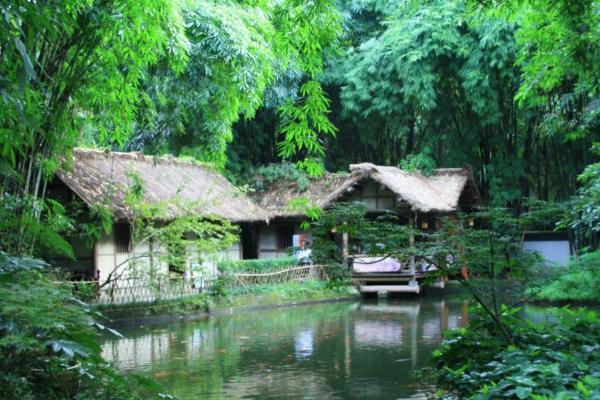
(285, 236)
(122, 236)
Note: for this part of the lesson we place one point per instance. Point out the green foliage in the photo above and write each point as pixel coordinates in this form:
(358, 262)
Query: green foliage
(237, 52)
(263, 176)
(200, 303)
(486, 241)
(304, 205)
(437, 79)
(304, 121)
(539, 215)
(584, 210)
(339, 277)
(382, 235)
(48, 342)
(293, 290)
(579, 282)
(423, 163)
(65, 65)
(558, 49)
(29, 225)
(554, 360)
(231, 61)
(256, 266)
(340, 218)
(61, 56)
(10, 264)
(309, 29)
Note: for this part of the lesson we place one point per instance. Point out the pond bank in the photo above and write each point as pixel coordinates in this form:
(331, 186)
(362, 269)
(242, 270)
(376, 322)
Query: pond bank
(267, 297)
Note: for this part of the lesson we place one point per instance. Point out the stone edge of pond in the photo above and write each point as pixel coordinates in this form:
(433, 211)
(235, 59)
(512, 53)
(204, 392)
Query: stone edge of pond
(128, 316)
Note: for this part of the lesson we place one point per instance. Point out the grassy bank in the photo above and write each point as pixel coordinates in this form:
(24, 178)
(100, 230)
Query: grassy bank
(283, 293)
(578, 282)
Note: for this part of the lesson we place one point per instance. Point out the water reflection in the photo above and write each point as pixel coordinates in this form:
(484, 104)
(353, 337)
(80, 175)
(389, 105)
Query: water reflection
(304, 344)
(335, 351)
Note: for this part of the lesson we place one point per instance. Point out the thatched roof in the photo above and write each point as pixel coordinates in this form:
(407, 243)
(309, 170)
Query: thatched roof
(322, 192)
(443, 192)
(100, 177)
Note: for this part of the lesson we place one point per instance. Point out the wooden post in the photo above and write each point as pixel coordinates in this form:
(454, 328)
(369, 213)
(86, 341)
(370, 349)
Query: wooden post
(464, 268)
(411, 241)
(345, 245)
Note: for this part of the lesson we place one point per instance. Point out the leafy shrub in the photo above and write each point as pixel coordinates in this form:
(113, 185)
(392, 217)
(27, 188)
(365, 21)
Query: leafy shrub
(256, 266)
(338, 276)
(85, 291)
(27, 220)
(48, 342)
(422, 162)
(227, 268)
(267, 175)
(580, 282)
(555, 360)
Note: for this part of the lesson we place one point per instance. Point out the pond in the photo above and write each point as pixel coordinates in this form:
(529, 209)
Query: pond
(343, 350)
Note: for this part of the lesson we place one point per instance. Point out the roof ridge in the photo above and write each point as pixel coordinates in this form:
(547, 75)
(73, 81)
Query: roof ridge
(139, 156)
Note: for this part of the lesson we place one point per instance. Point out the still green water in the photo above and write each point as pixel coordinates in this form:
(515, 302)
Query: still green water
(345, 350)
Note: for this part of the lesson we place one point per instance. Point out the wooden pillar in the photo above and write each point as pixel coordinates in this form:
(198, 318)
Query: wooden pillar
(464, 268)
(345, 249)
(411, 240)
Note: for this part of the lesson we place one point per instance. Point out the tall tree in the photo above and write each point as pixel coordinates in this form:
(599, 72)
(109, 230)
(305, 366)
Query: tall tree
(64, 64)
(446, 80)
(241, 52)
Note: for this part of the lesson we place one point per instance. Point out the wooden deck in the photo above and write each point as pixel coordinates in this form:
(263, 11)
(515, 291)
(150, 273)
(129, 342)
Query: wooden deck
(392, 282)
(388, 277)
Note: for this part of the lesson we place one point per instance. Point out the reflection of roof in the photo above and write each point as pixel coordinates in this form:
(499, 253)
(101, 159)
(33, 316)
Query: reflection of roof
(100, 178)
(441, 192)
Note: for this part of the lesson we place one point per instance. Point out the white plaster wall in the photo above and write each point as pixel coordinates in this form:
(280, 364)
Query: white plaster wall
(107, 258)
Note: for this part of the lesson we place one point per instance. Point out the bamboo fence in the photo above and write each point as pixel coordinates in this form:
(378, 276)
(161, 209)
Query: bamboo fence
(159, 288)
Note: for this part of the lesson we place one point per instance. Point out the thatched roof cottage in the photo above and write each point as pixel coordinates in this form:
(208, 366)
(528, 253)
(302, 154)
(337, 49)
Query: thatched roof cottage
(425, 199)
(103, 178)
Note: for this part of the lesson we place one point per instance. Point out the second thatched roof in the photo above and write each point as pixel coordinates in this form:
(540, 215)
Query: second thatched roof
(104, 178)
(447, 190)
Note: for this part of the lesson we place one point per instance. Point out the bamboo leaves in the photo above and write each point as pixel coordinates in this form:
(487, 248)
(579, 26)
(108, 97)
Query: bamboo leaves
(310, 28)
